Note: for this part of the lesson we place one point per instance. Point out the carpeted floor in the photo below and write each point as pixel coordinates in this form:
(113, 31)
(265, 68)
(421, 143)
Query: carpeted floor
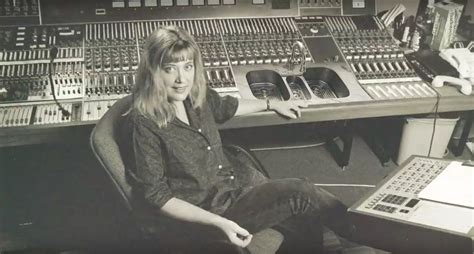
(316, 164)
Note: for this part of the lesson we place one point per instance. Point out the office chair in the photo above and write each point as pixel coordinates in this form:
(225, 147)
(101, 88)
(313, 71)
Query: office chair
(104, 144)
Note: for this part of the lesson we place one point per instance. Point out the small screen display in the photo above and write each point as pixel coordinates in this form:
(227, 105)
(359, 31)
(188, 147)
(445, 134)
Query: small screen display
(412, 203)
(182, 2)
(213, 2)
(198, 2)
(229, 2)
(118, 4)
(151, 3)
(358, 4)
(166, 2)
(134, 3)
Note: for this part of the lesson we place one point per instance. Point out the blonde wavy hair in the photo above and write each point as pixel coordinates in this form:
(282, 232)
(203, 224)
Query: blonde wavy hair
(166, 45)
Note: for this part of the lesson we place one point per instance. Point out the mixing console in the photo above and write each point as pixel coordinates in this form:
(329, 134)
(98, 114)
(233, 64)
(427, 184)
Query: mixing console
(260, 41)
(320, 7)
(32, 42)
(29, 82)
(93, 11)
(377, 61)
(221, 79)
(111, 58)
(16, 116)
(19, 12)
(97, 61)
(25, 63)
(19, 8)
(23, 115)
(49, 114)
(320, 3)
(94, 110)
(111, 85)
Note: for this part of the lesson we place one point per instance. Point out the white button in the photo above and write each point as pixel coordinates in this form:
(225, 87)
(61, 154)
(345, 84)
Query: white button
(199, 130)
(231, 177)
(220, 166)
(209, 148)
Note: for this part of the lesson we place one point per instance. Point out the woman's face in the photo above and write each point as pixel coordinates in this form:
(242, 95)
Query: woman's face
(178, 78)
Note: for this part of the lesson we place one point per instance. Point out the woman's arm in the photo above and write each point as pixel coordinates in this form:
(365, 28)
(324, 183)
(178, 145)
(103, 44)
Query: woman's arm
(182, 210)
(290, 109)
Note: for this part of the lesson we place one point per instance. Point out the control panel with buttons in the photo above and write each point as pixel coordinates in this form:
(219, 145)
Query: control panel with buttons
(398, 197)
(411, 205)
(378, 63)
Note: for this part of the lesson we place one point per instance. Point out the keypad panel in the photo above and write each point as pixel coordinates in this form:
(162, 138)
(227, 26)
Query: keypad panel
(398, 196)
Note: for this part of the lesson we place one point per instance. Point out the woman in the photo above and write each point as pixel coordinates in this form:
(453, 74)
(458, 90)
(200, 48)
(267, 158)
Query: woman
(178, 166)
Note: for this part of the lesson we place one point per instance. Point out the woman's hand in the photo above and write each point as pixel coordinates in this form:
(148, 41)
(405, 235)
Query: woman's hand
(290, 109)
(182, 210)
(235, 233)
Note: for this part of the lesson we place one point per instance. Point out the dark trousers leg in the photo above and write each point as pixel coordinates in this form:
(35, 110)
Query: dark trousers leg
(282, 202)
(299, 237)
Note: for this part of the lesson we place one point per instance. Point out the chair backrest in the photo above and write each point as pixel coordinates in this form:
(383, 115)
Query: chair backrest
(104, 144)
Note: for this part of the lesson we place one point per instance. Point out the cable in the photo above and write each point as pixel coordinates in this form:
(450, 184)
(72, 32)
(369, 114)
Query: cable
(438, 97)
(345, 185)
(287, 147)
(291, 147)
(54, 53)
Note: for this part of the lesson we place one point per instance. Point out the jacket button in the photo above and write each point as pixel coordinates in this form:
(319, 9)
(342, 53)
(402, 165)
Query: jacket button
(199, 130)
(220, 166)
(231, 177)
(209, 148)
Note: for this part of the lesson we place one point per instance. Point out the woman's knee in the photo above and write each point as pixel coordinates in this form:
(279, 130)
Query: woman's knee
(296, 185)
(305, 188)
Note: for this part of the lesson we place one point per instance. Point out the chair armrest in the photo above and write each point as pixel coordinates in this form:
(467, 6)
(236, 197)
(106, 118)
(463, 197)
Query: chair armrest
(240, 151)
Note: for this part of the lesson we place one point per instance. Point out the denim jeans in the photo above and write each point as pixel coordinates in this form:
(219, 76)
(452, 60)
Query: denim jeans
(295, 207)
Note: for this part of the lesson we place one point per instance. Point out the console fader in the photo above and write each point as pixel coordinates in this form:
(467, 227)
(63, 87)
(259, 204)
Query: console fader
(111, 59)
(38, 114)
(377, 61)
(260, 41)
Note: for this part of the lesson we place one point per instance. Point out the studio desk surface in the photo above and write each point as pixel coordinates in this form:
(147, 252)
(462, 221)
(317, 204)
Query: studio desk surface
(358, 104)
